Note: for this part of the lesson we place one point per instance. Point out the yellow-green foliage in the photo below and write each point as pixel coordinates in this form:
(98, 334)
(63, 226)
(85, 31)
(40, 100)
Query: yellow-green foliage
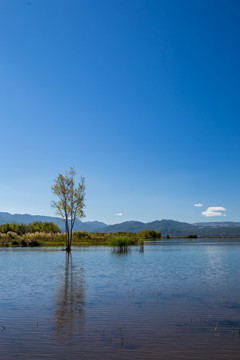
(20, 229)
(122, 241)
(70, 202)
(80, 238)
(31, 239)
(149, 234)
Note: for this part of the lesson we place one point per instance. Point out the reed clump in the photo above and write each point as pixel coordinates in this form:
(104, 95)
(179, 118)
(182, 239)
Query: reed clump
(122, 243)
(30, 239)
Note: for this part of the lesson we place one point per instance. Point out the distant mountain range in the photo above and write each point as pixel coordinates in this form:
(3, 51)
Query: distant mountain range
(217, 224)
(91, 226)
(176, 228)
(166, 227)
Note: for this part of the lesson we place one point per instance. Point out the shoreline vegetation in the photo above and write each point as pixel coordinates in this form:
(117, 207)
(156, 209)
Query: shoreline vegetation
(48, 234)
(80, 238)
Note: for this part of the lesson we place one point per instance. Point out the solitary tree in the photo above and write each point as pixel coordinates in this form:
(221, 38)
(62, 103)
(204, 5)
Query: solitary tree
(70, 202)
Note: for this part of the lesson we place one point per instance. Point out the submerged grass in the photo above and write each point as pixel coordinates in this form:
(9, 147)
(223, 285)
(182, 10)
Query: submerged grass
(122, 243)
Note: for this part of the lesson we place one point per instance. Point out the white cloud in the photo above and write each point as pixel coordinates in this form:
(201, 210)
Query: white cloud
(214, 211)
(119, 214)
(198, 205)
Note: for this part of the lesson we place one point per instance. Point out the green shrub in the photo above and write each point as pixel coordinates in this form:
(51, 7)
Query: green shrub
(21, 229)
(47, 227)
(123, 233)
(149, 234)
(12, 235)
(23, 243)
(121, 243)
(33, 243)
(15, 243)
(192, 236)
(78, 235)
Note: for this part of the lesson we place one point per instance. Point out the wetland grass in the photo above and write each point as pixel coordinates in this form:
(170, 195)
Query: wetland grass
(122, 243)
(80, 238)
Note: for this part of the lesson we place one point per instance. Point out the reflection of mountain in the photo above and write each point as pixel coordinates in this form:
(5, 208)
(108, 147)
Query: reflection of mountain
(70, 301)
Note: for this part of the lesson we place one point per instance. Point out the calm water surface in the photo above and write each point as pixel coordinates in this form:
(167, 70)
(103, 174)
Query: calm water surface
(178, 299)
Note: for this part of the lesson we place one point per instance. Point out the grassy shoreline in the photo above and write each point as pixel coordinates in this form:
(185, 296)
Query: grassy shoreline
(82, 238)
(12, 235)
(202, 237)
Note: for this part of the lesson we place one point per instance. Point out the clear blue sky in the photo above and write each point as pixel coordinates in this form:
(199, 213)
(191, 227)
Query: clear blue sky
(140, 97)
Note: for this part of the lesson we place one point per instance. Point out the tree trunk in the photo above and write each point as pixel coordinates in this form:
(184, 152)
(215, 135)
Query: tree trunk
(70, 239)
(68, 246)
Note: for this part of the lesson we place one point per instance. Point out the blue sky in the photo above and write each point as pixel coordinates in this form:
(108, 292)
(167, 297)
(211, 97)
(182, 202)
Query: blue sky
(140, 97)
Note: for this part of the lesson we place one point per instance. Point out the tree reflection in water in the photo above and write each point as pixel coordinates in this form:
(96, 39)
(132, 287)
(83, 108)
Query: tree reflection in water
(70, 302)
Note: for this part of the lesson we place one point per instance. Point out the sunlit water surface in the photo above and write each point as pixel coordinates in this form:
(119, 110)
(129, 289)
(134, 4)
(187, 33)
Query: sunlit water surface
(178, 299)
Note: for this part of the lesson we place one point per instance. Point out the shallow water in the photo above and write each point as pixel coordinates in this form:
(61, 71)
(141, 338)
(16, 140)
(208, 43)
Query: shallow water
(179, 299)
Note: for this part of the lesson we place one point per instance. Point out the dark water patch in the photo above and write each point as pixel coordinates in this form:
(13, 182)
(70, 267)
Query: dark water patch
(214, 326)
(231, 305)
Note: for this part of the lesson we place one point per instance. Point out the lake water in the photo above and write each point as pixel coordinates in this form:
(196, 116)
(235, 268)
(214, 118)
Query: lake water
(178, 299)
